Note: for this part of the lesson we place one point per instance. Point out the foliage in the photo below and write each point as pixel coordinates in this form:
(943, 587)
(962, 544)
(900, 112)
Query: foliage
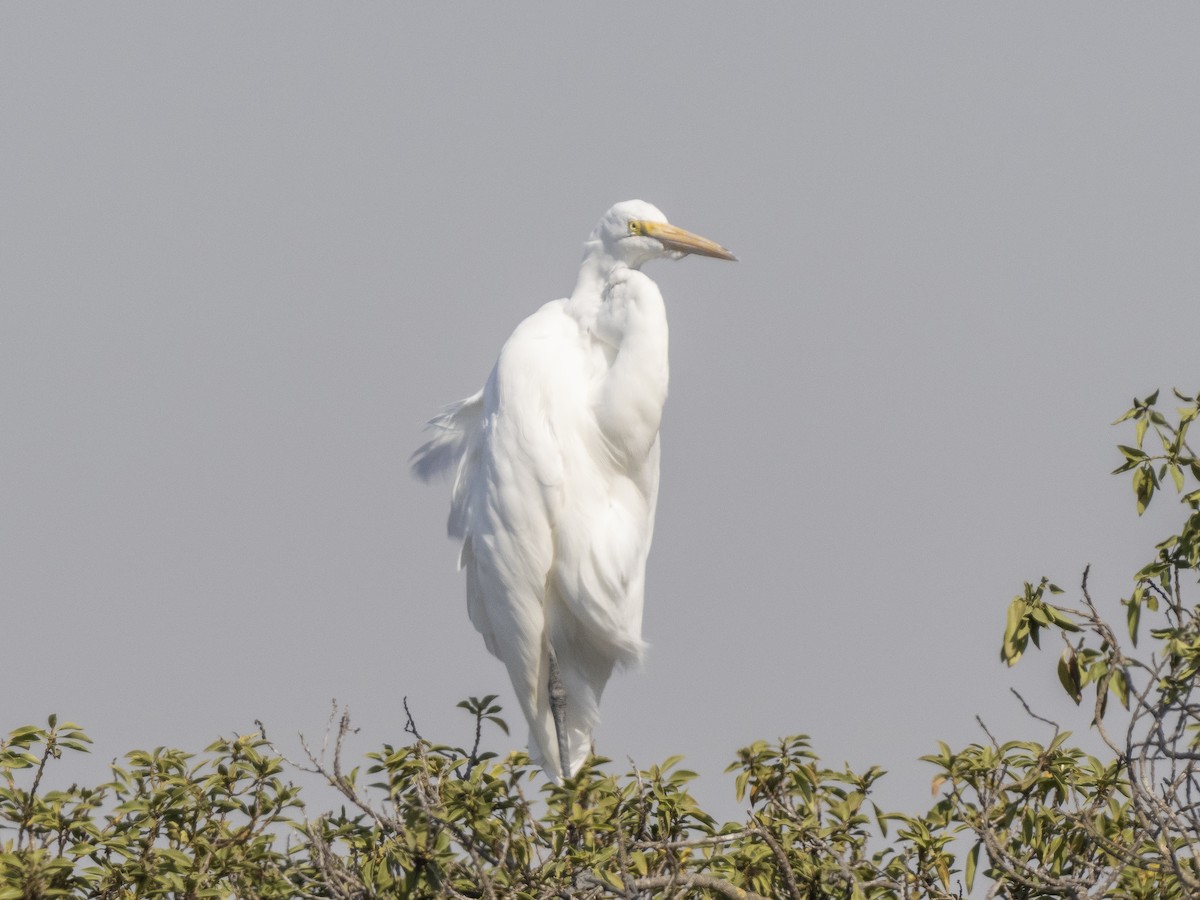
(1056, 821)
(165, 826)
(425, 819)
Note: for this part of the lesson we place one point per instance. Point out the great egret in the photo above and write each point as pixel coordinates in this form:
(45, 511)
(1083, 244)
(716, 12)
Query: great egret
(557, 480)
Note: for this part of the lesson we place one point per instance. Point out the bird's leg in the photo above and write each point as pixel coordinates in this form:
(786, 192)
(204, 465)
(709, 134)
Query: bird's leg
(558, 709)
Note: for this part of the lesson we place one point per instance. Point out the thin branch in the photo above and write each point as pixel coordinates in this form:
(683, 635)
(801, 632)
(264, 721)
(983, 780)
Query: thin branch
(410, 726)
(1034, 715)
(785, 867)
(703, 882)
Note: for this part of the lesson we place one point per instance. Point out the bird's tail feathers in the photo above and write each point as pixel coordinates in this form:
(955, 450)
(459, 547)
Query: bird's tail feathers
(452, 428)
(454, 444)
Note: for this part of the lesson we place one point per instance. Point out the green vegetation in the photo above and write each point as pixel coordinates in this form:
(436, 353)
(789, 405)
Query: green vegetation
(428, 820)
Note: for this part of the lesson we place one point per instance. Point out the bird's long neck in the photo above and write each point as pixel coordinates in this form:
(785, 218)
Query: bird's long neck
(622, 315)
(594, 273)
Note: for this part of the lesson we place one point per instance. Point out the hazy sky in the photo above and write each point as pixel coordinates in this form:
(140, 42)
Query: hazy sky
(246, 250)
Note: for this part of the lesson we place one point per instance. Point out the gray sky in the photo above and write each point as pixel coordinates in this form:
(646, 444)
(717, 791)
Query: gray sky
(247, 249)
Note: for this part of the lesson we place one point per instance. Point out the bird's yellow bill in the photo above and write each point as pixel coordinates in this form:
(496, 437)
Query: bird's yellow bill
(683, 241)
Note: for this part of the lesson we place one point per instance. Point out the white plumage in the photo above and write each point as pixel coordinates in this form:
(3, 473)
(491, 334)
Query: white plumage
(557, 478)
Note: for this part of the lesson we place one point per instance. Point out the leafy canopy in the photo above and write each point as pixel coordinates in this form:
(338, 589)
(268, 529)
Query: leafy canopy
(1041, 819)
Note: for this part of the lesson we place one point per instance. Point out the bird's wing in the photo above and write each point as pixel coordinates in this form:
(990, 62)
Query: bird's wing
(513, 487)
(512, 496)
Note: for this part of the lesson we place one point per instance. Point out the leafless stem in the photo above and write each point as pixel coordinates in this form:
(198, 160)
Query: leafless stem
(1032, 714)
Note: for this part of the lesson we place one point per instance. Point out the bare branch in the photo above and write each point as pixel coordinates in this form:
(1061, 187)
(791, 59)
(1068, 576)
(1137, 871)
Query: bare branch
(1032, 714)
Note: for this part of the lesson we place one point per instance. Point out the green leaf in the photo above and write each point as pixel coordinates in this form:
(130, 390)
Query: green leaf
(972, 863)
(1177, 477)
(1061, 618)
(1120, 686)
(1133, 615)
(1014, 644)
(1068, 674)
(1143, 487)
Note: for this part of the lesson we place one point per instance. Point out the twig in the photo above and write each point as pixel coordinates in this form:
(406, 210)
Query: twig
(1049, 722)
(410, 726)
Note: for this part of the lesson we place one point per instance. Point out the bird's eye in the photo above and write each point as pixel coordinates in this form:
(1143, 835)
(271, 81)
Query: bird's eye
(635, 227)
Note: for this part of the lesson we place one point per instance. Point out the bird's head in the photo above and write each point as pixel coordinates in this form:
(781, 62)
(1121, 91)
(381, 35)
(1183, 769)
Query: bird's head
(634, 232)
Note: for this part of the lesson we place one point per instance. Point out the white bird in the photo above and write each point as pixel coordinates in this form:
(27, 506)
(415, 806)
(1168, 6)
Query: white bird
(557, 479)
